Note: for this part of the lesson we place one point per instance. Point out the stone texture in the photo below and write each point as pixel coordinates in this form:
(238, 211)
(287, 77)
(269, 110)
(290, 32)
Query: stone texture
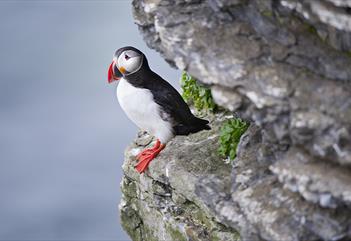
(258, 50)
(162, 204)
(325, 183)
(189, 193)
(284, 65)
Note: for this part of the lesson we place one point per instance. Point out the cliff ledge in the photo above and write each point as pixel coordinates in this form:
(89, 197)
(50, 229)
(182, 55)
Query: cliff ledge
(284, 65)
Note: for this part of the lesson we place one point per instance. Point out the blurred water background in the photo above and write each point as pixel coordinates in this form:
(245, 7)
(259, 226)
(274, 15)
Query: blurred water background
(62, 132)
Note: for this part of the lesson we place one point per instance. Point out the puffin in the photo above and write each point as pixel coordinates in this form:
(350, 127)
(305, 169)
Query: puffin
(150, 102)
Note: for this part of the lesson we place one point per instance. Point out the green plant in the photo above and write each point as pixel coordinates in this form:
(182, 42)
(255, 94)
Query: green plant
(193, 93)
(230, 134)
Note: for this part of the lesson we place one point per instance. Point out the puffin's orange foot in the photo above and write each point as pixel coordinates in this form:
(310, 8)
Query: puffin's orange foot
(148, 151)
(146, 156)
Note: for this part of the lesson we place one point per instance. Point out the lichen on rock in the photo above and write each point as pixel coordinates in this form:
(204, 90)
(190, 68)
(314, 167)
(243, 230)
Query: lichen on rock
(284, 65)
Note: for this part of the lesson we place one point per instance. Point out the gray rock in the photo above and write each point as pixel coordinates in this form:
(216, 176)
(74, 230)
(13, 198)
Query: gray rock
(283, 65)
(259, 54)
(162, 204)
(188, 191)
(226, 98)
(323, 183)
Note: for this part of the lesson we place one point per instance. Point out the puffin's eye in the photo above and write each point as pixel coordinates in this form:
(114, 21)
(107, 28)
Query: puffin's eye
(126, 57)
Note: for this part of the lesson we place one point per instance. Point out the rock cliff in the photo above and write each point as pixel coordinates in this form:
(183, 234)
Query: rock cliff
(285, 66)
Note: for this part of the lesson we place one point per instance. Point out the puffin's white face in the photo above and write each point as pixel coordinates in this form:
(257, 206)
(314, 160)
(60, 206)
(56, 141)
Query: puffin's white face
(128, 62)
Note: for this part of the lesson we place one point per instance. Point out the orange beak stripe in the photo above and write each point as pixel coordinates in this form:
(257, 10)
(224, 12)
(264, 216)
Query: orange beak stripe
(122, 70)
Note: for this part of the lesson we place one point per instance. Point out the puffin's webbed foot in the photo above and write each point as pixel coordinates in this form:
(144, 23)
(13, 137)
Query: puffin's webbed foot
(148, 151)
(147, 155)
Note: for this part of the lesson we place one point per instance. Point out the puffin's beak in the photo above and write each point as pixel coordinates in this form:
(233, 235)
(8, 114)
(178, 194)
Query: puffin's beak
(111, 76)
(122, 70)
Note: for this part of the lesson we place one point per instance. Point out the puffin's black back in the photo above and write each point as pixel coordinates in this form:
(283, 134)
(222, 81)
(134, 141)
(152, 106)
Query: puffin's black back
(172, 104)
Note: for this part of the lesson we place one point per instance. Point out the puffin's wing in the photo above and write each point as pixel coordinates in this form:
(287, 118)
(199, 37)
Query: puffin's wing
(170, 100)
(175, 108)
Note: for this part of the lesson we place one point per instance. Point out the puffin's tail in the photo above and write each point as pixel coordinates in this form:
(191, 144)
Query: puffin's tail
(196, 125)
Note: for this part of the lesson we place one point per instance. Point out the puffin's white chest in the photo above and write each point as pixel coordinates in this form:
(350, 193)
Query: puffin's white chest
(140, 107)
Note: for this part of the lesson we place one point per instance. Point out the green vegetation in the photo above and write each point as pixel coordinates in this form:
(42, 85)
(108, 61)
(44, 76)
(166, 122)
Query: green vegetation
(230, 134)
(195, 94)
(201, 98)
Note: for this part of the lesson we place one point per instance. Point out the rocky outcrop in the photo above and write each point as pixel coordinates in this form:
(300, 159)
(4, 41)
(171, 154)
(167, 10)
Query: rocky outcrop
(285, 66)
(162, 203)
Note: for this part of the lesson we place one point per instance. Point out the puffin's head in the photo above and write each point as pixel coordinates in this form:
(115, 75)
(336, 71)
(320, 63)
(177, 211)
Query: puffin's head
(126, 61)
